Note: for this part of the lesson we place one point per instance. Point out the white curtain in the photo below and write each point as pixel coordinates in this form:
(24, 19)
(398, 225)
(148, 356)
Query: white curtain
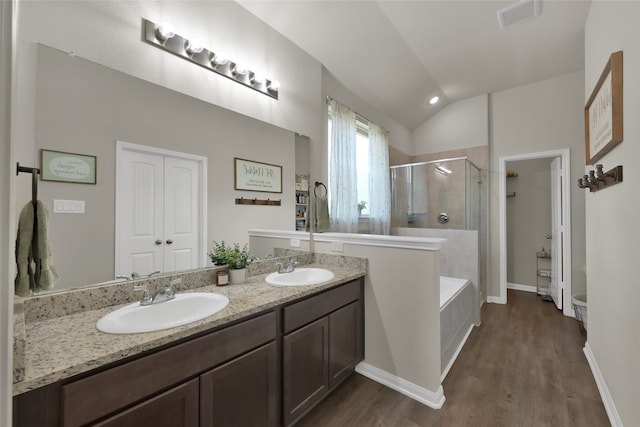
(343, 182)
(379, 185)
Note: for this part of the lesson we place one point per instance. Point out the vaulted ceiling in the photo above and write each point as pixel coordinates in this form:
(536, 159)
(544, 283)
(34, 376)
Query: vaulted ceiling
(395, 55)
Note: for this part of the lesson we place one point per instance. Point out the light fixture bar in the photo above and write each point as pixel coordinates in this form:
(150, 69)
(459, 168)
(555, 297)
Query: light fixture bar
(203, 57)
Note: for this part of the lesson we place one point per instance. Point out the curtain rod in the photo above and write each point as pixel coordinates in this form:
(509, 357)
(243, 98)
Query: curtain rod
(329, 98)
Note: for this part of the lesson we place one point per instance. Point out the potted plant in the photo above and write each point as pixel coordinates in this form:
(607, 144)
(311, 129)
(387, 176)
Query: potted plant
(218, 253)
(362, 206)
(237, 259)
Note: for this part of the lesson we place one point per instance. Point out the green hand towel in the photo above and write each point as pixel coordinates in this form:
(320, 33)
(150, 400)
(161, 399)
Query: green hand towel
(34, 263)
(322, 214)
(25, 279)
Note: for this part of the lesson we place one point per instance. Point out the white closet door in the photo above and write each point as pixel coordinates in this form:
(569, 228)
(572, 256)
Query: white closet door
(181, 207)
(140, 213)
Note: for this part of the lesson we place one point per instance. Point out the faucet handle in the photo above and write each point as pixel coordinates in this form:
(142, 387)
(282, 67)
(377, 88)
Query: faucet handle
(146, 298)
(171, 287)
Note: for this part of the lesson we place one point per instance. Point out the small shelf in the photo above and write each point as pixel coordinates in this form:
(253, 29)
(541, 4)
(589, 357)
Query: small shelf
(302, 201)
(543, 275)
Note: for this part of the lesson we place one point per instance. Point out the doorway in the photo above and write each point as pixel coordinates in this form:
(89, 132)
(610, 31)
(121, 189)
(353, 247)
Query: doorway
(160, 210)
(560, 238)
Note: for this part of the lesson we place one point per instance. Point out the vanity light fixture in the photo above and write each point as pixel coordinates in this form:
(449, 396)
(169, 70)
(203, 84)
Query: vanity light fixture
(442, 170)
(164, 37)
(434, 100)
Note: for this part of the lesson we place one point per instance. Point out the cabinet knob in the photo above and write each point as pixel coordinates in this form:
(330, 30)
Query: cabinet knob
(169, 241)
(158, 242)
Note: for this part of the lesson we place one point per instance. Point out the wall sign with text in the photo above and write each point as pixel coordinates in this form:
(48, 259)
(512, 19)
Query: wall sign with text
(603, 112)
(67, 167)
(257, 176)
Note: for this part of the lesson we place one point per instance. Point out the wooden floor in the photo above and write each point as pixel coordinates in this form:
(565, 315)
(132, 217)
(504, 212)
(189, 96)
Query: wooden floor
(524, 366)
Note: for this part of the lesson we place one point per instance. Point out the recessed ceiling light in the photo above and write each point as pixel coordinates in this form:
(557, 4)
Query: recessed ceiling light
(434, 100)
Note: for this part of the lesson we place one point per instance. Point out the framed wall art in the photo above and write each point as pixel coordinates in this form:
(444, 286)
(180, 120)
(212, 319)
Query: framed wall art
(67, 167)
(257, 176)
(603, 112)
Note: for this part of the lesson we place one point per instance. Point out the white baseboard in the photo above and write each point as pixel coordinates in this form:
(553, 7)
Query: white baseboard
(432, 399)
(455, 355)
(607, 400)
(519, 287)
(495, 300)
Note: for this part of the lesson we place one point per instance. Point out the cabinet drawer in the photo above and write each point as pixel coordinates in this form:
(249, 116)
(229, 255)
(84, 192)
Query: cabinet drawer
(310, 309)
(93, 397)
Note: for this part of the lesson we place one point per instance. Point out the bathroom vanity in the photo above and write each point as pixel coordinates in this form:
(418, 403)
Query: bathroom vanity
(266, 368)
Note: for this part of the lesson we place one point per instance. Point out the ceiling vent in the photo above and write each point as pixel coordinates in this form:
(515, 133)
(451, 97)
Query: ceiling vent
(519, 11)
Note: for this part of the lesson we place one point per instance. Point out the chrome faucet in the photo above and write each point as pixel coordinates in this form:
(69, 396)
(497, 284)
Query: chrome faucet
(165, 293)
(288, 268)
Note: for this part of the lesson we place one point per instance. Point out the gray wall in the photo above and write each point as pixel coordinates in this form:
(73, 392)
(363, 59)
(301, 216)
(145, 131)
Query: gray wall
(542, 116)
(528, 218)
(612, 219)
(84, 108)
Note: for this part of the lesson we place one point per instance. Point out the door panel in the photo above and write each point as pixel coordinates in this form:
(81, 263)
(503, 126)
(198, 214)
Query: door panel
(557, 234)
(140, 213)
(181, 206)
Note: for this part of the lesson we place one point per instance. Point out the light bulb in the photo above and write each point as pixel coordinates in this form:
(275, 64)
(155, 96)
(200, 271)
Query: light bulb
(240, 69)
(165, 31)
(274, 85)
(257, 78)
(194, 46)
(220, 58)
(434, 100)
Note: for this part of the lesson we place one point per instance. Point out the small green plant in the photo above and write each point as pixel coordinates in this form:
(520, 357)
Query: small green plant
(237, 257)
(218, 253)
(362, 205)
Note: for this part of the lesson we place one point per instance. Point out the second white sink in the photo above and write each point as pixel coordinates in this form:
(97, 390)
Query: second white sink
(185, 308)
(300, 277)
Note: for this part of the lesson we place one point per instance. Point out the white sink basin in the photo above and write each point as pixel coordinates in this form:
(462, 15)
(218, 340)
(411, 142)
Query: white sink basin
(185, 308)
(300, 277)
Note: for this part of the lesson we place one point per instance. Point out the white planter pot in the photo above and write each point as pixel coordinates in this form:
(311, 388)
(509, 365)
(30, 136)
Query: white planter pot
(237, 276)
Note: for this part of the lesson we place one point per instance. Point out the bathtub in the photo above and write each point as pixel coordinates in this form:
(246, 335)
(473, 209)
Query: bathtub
(457, 298)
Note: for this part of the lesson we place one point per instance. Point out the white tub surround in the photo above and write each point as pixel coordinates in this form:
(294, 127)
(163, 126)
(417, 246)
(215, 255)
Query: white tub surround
(457, 300)
(402, 310)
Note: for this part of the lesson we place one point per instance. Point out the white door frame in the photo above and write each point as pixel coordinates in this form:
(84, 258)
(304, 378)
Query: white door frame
(122, 146)
(564, 155)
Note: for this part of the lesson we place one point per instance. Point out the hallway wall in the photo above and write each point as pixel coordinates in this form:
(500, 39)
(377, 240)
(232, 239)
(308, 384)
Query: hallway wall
(542, 116)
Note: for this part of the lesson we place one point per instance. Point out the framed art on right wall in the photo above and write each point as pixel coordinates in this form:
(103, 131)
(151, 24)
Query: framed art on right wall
(603, 112)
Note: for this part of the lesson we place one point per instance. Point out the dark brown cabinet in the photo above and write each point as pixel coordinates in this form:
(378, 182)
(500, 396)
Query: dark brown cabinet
(242, 392)
(177, 407)
(321, 354)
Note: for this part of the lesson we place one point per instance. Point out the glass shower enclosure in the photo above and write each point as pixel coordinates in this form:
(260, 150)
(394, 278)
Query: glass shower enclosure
(436, 194)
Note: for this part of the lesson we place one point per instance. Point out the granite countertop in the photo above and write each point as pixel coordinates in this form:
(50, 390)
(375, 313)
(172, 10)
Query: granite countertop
(59, 347)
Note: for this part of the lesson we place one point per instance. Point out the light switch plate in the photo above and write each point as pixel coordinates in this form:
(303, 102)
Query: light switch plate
(337, 247)
(68, 206)
(294, 243)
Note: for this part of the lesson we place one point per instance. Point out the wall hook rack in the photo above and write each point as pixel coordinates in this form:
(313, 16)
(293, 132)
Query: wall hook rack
(256, 201)
(598, 179)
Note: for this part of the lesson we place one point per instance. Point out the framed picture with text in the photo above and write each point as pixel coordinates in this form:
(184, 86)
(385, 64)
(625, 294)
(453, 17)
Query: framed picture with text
(603, 112)
(257, 176)
(61, 166)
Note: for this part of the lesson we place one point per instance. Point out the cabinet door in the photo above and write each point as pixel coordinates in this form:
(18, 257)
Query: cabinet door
(305, 368)
(177, 407)
(242, 392)
(344, 342)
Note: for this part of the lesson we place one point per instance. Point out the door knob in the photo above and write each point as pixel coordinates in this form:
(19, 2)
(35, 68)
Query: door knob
(158, 242)
(169, 241)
